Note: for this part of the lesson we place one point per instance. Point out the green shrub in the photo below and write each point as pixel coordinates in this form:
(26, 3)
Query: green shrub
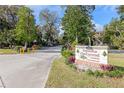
(72, 66)
(95, 73)
(74, 44)
(90, 72)
(98, 74)
(115, 73)
(67, 53)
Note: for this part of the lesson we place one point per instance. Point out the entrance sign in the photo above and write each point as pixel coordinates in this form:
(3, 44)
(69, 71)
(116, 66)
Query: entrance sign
(92, 55)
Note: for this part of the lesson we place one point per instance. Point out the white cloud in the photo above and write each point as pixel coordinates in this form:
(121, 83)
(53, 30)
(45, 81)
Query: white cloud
(108, 7)
(61, 31)
(98, 27)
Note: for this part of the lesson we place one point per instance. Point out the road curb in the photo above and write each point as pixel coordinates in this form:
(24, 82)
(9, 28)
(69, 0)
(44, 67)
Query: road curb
(45, 81)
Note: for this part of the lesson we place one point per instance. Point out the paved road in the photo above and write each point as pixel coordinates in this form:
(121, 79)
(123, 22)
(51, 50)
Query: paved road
(27, 70)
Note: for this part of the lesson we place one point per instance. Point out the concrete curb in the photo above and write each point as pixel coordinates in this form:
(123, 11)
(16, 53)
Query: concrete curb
(45, 81)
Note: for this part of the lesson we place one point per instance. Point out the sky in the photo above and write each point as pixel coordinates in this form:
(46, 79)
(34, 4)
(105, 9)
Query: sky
(102, 14)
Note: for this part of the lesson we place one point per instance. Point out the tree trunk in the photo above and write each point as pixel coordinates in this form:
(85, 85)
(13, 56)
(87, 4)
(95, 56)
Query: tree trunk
(89, 41)
(25, 47)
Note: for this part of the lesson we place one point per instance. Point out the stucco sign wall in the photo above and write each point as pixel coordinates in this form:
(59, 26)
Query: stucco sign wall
(92, 54)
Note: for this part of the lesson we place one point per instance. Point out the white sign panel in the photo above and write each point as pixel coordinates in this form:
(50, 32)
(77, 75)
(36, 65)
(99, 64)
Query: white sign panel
(96, 54)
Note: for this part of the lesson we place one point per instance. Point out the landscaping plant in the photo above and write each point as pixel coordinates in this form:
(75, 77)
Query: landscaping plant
(107, 67)
(90, 72)
(98, 74)
(71, 59)
(95, 73)
(115, 74)
(67, 53)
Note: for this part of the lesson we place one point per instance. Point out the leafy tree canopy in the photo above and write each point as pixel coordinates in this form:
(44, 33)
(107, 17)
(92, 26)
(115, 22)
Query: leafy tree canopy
(49, 22)
(77, 23)
(25, 28)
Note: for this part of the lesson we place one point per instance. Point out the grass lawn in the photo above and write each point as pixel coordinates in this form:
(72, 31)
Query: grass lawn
(116, 59)
(62, 75)
(8, 51)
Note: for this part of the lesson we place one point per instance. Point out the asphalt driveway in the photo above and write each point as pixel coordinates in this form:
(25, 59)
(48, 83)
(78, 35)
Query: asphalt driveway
(27, 70)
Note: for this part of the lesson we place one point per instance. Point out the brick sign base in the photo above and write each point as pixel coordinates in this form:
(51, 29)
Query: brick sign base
(82, 65)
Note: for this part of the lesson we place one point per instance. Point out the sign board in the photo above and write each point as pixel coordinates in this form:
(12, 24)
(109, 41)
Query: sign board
(93, 54)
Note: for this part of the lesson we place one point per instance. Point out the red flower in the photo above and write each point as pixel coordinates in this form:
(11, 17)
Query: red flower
(71, 59)
(107, 67)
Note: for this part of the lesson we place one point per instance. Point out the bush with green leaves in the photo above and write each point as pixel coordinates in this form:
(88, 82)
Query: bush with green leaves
(98, 74)
(67, 53)
(72, 66)
(74, 44)
(115, 73)
(90, 72)
(95, 73)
